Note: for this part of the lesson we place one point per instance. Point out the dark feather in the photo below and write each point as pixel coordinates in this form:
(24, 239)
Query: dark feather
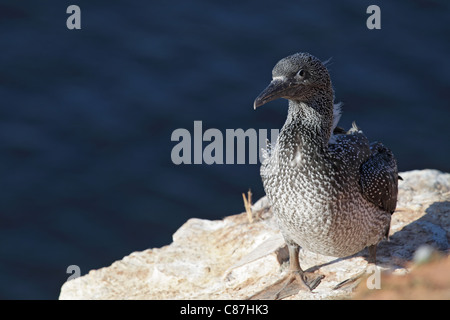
(379, 178)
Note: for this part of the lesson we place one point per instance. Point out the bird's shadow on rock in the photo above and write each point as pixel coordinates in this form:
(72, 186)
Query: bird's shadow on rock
(432, 229)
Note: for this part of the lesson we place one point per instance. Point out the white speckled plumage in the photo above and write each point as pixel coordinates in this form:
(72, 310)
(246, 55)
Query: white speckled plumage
(332, 194)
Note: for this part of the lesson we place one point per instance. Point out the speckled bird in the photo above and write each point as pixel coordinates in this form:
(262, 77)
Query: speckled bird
(332, 191)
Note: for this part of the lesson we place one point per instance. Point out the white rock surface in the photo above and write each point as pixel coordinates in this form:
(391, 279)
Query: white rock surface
(234, 259)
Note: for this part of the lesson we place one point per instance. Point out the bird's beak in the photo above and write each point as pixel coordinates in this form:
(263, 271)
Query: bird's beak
(275, 90)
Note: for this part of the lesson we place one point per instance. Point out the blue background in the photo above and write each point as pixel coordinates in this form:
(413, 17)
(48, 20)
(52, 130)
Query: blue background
(86, 115)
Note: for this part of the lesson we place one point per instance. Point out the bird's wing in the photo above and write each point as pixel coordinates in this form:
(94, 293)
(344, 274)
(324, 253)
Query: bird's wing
(379, 177)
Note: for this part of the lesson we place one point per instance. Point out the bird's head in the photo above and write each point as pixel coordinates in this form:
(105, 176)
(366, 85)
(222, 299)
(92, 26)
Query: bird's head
(300, 77)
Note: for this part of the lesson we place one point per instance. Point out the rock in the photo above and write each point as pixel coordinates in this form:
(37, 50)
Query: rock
(424, 254)
(234, 259)
(429, 281)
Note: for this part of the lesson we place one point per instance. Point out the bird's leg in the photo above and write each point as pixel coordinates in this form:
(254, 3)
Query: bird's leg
(307, 280)
(372, 254)
(310, 279)
(372, 259)
(293, 282)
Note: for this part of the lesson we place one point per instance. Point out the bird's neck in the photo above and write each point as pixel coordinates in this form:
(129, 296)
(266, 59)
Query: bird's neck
(310, 121)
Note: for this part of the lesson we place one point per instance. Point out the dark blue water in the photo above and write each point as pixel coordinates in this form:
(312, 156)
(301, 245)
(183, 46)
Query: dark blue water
(86, 115)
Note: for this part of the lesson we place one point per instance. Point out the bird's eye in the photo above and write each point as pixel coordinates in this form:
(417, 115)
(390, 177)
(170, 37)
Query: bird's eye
(301, 73)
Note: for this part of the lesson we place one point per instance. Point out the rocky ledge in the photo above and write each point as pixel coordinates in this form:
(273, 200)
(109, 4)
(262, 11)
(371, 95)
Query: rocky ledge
(238, 256)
